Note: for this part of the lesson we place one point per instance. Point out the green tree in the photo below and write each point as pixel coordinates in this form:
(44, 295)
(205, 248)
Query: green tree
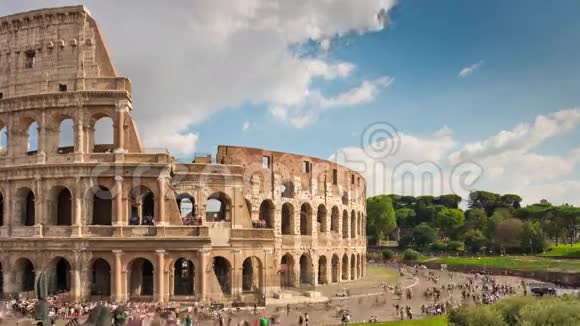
(475, 219)
(449, 200)
(423, 235)
(405, 217)
(509, 201)
(474, 241)
(449, 221)
(485, 200)
(532, 238)
(380, 216)
(508, 233)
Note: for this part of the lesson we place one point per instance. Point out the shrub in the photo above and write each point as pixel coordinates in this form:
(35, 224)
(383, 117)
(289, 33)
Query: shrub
(410, 255)
(551, 311)
(476, 316)
(437, 246)
(455, 246)
(387, 254)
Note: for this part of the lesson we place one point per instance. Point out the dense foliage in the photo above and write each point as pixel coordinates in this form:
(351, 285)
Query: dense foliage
(517, 311)
(490, 223)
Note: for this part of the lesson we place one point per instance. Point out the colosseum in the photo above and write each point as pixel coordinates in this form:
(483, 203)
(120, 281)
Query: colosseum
(119, 221)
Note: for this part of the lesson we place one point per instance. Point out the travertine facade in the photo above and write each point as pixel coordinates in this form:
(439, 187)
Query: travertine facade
(253, 223)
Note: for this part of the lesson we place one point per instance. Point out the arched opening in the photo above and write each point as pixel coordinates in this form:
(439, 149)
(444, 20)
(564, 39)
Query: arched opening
(101, 278)
(3, 139)
(183, 277)
(287, 219)
(305, 219)
(322, 264)
(287, 189)
(335, 263)
(345, 198)
(358, 266)
(59, 276)
(321, 219)
(102, 206)
(352, 267)
(186, 205)
(358, 224)
(306, 270)
(287, 271)
(345, 267)
(32, 138)
(24, 277)
(345, 224)
(223, 272)
(267, 213)
(334, 219)
(218, 207)
(141, 278)
(66, 143)
(251, 275)
(101, 138)
(353, 224)
(60, 206)
(142, 206)
(25, 207)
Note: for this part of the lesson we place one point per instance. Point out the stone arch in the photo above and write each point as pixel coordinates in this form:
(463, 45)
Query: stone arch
(353, 224)
(287, 271)
(101, 133)
(140, 278)
(24, 276)
(305, 219)
(25, 207)
(183, 277)
(32, 138)
(58, 273)
(344, 267)
(60, 206)
(100, 200)
(252, 274)
(322, 270)
(3, 138)
(65, 139)
(267, 210)
(321, 218)
(186, 206)
(306, 270)
(223, 272)
(358, 224)
(287, 218)
(334, 219)
(344, 224)
(100, 278)
(358, 266)
(218, 207)
(142, 206)
(352, 267)
(335, 266)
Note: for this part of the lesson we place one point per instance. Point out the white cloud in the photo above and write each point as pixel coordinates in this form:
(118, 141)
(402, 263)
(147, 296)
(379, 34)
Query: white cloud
(308, 111)
(466, 71)
(195, 58)
(504, 163)
(246, 125)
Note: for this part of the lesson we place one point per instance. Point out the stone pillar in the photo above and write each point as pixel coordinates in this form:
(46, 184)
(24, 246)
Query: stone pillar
(161, 218)
(118, 295)
(79, 136)
(8, 220)
(120, 130)
(160, 276)
(118, 201)
(76, 283)
(7, 280)
(204, 256)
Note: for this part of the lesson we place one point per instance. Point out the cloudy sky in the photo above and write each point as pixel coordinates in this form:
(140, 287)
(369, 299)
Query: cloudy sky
(479, 95)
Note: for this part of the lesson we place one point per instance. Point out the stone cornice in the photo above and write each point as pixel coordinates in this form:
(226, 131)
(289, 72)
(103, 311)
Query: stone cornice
(76, 98)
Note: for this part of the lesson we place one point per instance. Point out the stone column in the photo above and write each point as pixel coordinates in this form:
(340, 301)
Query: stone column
(8, 220)
(120, 130)
(118, 295)
(7, 280)
(79, 136)
(76, 283)
(160, 220)
(118, 201)
(160, 276)
(204, 256)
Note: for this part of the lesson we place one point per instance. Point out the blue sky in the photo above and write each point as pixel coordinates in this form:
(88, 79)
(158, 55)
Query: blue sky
(310, 79)
(531, 65)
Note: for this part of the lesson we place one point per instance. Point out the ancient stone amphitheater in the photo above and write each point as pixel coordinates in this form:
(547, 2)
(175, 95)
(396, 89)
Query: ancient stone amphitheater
(118, 221)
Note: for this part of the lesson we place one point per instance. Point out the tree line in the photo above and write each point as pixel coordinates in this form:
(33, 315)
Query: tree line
(491, 223)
